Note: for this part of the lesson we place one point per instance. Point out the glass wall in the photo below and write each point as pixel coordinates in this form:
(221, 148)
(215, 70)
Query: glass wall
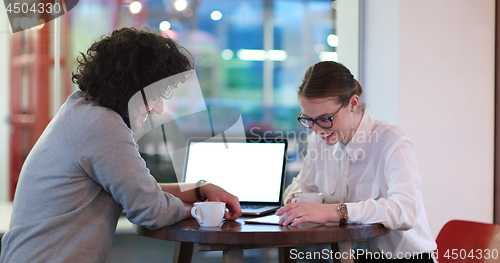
(249, 54)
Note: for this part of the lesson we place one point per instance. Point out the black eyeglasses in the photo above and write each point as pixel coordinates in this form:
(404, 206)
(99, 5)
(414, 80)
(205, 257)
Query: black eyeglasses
(325, 123)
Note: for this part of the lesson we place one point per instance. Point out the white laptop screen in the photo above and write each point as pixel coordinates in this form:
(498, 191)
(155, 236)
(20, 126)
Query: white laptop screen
(251, 171)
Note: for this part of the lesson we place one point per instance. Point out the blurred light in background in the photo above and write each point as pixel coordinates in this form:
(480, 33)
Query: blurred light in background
(277, 55)
(227, 54)
(216, 15)
(333, 40)
(164, 25)
(328, 56)
(180, 5)
(252, 55)
(261, 55)
(188, 12)
(135, 7)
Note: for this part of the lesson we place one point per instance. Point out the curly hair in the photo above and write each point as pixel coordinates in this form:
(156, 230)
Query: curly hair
(121, 64)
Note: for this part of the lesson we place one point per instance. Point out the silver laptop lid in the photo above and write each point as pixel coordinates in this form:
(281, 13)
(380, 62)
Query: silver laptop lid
(253, 169)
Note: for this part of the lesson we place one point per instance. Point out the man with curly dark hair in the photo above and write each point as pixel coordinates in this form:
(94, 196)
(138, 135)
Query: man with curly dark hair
(85, 169)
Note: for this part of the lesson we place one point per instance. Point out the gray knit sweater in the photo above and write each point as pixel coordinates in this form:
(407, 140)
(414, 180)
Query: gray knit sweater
(82, 172)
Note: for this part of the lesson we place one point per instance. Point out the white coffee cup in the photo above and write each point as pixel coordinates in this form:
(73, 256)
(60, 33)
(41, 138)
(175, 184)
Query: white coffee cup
(208, 214)
(308, 197)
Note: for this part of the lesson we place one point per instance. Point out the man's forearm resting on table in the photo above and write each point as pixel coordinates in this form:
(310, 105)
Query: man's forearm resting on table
(188, 196)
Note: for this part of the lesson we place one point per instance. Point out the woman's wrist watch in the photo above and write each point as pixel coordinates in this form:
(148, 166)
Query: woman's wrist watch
(342, 210)
(197, 190)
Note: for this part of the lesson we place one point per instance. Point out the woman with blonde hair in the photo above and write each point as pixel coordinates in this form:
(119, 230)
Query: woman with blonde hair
(365, 169)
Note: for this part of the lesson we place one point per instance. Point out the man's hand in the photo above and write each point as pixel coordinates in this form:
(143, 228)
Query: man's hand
(217, 194)
(187, 210)
(302, 212)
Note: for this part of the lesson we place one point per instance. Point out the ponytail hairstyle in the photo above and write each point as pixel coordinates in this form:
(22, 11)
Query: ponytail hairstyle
(329, 79)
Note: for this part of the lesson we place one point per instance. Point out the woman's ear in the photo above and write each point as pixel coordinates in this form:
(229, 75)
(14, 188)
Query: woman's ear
(354, 103)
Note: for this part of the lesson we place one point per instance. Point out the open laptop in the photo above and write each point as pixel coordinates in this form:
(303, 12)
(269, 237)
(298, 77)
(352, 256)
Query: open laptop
(253, 169)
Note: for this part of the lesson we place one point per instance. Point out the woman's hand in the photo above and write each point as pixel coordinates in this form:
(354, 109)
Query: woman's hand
(290, 197)
(303, 212)
(217, 194)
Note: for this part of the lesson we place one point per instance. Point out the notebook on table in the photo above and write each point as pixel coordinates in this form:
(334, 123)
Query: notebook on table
(253, 169)
(267, 220)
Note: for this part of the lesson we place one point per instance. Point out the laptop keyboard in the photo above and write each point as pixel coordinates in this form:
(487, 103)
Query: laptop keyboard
(251, 206)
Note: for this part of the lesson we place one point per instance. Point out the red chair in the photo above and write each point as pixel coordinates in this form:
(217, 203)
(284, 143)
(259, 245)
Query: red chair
(466, 241)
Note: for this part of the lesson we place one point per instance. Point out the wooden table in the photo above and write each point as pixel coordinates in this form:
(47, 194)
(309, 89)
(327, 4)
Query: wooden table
(234, 236)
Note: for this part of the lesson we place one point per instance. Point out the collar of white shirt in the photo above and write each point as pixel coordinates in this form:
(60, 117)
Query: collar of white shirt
(354, 149)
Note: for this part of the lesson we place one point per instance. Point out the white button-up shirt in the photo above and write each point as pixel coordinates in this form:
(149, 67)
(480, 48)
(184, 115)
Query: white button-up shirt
(376, 175)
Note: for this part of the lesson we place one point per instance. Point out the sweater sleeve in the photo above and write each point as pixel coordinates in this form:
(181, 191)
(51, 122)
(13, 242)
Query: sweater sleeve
(105, 150)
